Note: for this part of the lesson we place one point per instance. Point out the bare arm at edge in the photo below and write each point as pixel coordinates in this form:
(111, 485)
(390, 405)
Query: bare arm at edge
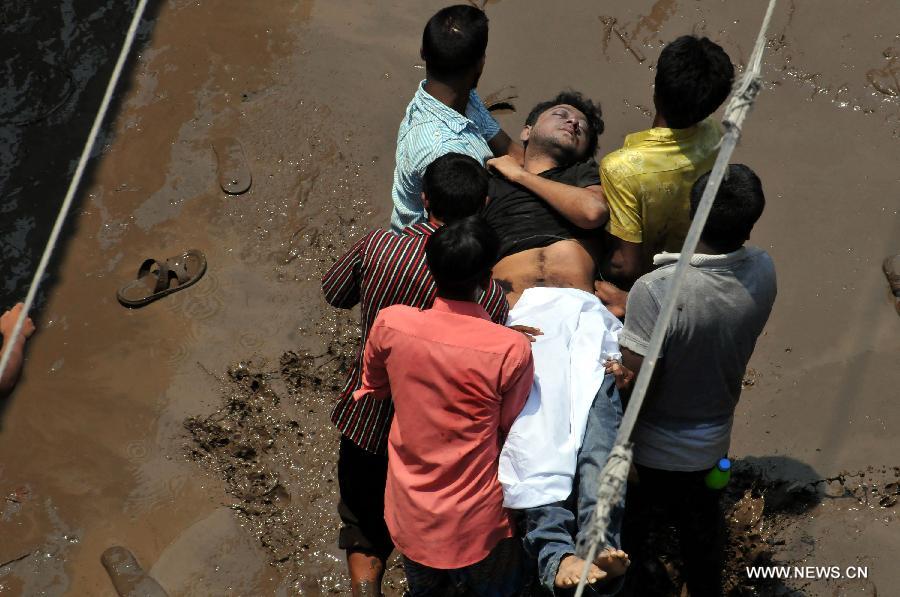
(624, 262)
(17, 355)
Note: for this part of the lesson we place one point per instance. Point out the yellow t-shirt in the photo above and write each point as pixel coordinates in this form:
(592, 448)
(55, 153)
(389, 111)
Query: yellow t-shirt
(648, 184)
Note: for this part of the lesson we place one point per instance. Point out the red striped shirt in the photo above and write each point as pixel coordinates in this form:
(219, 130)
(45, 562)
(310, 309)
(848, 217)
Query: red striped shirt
(380, 270)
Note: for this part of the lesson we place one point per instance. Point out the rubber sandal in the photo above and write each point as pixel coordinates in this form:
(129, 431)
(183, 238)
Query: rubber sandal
(234, 174)
(157, 279)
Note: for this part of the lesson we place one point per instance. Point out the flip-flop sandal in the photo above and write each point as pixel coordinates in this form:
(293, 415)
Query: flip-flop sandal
(157, 279)
(234, 174)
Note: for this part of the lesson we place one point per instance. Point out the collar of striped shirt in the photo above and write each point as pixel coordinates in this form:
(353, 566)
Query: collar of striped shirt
(450, 117)
(421, 229)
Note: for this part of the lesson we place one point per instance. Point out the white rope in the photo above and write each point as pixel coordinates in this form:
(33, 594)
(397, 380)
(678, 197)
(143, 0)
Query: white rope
(73, 185)
(612, 477)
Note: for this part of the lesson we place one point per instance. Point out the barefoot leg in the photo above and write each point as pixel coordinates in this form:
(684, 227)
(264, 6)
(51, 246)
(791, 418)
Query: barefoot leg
(570, 569)
(366, 572)
(612, 561)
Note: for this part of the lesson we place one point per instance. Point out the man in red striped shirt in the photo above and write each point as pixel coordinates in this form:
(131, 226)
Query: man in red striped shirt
(380, 270)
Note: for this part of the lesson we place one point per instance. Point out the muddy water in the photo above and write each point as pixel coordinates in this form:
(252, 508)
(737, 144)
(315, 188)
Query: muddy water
(93, 448)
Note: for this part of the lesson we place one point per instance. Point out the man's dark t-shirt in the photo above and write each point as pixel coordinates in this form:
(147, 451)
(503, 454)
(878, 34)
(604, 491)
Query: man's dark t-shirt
(524, 221)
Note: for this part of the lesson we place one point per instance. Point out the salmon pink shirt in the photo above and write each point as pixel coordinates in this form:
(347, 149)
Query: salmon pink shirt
(458, 382)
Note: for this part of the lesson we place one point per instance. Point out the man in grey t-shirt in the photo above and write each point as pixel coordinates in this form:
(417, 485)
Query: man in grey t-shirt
(685, 425)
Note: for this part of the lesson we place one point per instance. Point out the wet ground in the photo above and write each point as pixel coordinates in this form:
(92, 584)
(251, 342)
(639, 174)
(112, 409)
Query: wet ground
(113, 436)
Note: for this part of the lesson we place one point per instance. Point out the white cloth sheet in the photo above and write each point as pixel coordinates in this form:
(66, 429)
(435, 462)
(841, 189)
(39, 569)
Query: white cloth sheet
(537, 462)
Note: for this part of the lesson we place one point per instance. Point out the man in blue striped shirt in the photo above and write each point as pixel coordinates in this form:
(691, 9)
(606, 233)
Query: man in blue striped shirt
(446, 115)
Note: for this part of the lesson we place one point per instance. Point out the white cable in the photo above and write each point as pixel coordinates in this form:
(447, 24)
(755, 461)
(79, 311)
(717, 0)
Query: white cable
(73, 185)
(612, 486)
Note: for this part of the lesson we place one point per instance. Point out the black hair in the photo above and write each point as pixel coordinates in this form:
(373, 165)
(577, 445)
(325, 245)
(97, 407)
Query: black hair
(584, 105)
(736, 208)
(456, 186)
(693, 78)
(455, 40)
(460, 255)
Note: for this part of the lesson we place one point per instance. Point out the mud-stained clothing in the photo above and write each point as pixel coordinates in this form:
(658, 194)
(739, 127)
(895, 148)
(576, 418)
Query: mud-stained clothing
(430, 129)
(524, 221)
(380, 270)
(647, 184)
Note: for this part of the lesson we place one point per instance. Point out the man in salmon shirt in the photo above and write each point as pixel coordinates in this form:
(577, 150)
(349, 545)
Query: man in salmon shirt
(458, 382)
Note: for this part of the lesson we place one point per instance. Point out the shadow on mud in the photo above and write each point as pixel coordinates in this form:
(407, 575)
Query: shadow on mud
(766, 504)
(763, 496)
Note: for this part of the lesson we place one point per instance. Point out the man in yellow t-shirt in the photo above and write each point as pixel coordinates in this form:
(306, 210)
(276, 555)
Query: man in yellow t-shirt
(647, 183)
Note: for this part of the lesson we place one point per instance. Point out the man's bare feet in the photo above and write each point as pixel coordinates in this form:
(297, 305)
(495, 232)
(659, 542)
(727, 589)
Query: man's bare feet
(569, 573)
(614, 562)
(366, 572)
(612, 296)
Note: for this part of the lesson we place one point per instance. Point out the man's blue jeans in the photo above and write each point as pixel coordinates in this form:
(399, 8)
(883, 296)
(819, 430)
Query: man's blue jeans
(551, 531)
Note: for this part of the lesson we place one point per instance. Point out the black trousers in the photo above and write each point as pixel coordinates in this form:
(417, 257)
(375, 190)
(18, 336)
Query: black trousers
(361, 480)
(681, 500)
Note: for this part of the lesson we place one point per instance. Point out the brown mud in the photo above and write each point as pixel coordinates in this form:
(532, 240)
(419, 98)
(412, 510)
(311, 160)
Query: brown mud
(266, 442)
(92, 444)
(763, 516)
(264, 435)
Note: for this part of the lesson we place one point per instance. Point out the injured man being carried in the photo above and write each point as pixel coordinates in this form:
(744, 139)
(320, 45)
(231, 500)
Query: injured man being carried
(565, 432)
(548, 212)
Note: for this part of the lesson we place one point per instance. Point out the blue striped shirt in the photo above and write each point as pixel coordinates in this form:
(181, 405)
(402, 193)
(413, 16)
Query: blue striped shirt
(429, 130)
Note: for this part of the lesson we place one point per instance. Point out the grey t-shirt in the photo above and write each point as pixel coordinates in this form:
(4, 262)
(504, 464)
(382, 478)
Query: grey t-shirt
(685, 424)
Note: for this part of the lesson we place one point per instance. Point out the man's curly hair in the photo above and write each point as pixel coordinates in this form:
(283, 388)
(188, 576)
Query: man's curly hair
(584, 105)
